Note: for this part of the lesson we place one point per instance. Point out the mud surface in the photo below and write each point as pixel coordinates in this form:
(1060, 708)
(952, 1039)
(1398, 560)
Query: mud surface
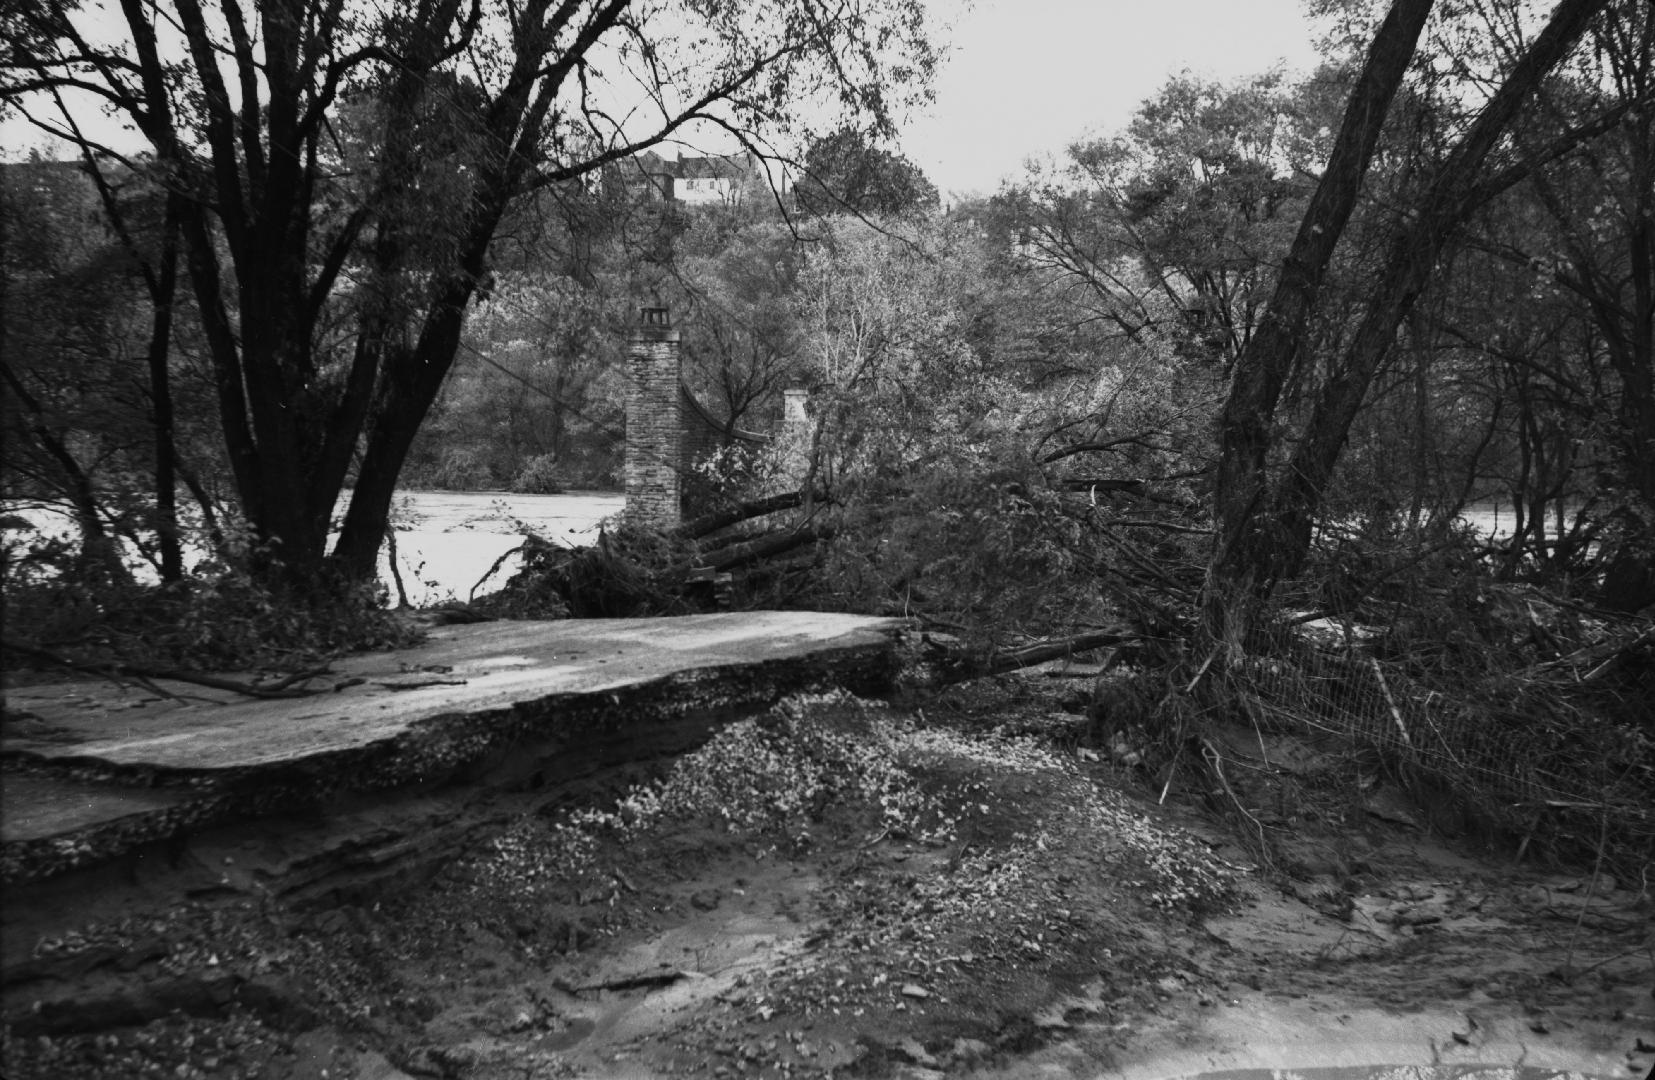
(1033, 910)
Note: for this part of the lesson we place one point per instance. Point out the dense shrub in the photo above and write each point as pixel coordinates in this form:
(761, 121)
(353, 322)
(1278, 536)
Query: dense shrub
(456, 468)
(218, 618)
(540, 475)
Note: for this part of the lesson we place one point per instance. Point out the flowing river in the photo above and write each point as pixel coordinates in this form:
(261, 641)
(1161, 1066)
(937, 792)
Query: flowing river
(446, 541)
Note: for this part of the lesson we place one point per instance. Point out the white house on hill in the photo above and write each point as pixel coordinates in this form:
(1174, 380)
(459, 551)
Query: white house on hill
(713, 180)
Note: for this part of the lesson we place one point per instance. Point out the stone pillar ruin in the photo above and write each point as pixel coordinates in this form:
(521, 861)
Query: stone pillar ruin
(794, 438)
(654, 423)
(793, 407)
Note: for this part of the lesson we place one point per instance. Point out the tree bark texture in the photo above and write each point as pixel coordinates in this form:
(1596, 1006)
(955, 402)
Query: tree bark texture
(1264, 526)
(1416, 251)
(1242, 561)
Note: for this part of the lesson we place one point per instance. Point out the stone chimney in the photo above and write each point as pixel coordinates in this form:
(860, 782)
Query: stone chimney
(795, 433)
(654, 423)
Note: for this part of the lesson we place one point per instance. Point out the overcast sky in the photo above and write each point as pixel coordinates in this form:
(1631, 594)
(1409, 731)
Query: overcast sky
(1031, 76)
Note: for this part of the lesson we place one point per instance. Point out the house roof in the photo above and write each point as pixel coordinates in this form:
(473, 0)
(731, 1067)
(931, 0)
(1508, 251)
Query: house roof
(711, 167)
(733, 167)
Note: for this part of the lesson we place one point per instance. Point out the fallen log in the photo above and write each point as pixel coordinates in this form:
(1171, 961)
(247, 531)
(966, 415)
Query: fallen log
(764, 547)
(963, 665)
(709, 523)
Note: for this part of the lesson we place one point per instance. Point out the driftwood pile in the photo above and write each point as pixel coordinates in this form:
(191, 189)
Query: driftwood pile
(719, 561)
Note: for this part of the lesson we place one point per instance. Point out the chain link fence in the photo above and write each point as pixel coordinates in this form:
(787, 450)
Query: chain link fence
(1560, 755)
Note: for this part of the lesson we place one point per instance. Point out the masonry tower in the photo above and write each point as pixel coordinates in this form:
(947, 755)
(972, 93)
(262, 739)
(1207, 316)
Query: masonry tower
(654, 423)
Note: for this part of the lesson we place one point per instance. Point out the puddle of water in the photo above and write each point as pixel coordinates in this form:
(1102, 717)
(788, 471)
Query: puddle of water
(1284, 1040)
(1397, 1072)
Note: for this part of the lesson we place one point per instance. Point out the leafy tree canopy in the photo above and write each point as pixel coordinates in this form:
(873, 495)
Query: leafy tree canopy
(846, 172)
(344, 168)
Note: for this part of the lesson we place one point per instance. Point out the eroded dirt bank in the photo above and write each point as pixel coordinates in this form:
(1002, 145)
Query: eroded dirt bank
(835, 889)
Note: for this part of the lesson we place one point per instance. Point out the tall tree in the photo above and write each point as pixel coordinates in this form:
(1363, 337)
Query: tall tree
(1175, 229)
(88, 391)
(339, 162)
(1263, 521)
(1602, 204)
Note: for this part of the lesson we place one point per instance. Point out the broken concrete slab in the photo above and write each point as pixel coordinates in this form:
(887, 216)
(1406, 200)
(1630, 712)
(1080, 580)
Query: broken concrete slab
(97, 768)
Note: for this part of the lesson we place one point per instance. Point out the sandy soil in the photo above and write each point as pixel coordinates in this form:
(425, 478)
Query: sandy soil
(1028, 907)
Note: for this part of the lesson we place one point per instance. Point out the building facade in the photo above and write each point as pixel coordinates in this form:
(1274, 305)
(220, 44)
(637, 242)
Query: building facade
(711, 180)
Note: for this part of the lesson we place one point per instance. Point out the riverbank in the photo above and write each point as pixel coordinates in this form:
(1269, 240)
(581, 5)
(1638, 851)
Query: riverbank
(447, 543)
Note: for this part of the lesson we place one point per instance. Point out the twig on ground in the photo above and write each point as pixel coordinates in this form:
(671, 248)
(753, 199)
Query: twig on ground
(1591, 889)
(1216, 761)
(297, 677)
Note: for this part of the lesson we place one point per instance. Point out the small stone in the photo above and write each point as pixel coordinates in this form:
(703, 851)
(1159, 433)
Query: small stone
(916, 1053)
(914, 990)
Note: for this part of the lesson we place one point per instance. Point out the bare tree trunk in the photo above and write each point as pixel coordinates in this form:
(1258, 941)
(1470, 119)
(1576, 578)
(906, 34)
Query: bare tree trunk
(1244, 564)
(406, 394)
(1416, 252)
(1264, 529)
(160, 392)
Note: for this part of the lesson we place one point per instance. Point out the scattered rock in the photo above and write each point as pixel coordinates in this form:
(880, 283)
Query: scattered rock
(916, 1053)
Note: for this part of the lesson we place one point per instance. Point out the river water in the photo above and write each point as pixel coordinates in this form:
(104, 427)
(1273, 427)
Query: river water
(446, 541)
